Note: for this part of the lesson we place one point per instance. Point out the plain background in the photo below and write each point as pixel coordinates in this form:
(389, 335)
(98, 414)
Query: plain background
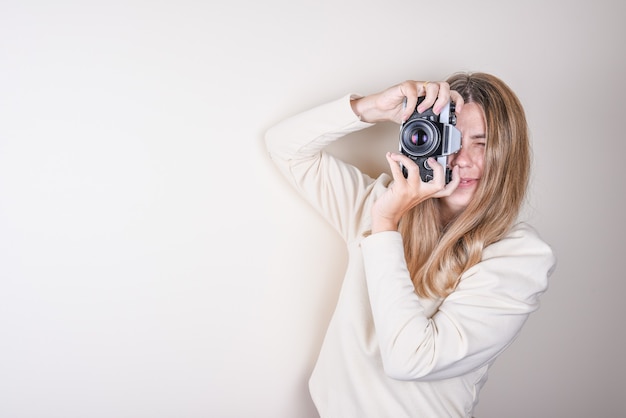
(154, 264)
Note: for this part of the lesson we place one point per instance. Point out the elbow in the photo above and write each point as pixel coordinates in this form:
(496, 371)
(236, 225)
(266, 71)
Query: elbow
(276, 146)
(268, 139)
(409, 355)
(405, 367)
(398, 374)
(276, 138)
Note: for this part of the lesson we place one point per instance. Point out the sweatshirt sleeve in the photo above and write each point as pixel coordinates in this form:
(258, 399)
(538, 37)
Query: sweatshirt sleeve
(336, 189)
(473, 325)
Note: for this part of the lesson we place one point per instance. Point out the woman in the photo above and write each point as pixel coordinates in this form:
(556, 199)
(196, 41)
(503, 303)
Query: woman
(441, 277)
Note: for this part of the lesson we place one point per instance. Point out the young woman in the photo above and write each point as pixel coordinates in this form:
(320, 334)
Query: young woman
(440, 277)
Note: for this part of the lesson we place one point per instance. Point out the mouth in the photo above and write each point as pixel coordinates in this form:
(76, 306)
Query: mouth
(468, 182)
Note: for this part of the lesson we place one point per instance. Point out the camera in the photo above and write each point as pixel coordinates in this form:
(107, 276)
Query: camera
(426, 135)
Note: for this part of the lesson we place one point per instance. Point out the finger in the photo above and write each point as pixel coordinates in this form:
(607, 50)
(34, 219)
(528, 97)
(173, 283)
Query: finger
(408, 107)
(454, 183)
(429, 89)
(450, 187)
(438, 172)
(443, 97)
(409, 165)
(410, 91)
(396, 170)
(458, 101)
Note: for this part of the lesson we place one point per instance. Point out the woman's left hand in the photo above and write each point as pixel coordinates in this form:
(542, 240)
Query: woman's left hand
(405, 193)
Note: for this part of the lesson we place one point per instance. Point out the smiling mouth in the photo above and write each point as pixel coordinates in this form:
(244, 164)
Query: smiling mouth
(468, 181)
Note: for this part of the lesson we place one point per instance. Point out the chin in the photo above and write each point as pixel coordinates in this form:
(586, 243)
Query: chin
(458, 201)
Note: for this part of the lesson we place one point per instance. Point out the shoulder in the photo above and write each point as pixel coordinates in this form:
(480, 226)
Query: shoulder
(519, 264)
(522, 239)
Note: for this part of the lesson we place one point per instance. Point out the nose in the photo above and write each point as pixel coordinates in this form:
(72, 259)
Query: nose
(461, 158)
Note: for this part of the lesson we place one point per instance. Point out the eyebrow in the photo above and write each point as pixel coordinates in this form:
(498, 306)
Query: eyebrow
(478, 136)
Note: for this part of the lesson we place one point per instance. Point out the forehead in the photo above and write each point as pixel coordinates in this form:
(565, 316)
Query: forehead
(471, 120)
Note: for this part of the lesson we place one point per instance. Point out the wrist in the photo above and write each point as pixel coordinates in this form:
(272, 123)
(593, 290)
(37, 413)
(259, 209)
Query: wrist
(365, 109)
(383, 224)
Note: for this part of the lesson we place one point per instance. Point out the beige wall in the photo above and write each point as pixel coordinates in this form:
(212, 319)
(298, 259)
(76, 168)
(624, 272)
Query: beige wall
(154, 264)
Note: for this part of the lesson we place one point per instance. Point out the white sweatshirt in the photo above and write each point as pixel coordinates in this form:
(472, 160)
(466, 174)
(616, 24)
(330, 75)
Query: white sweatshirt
(388, 353)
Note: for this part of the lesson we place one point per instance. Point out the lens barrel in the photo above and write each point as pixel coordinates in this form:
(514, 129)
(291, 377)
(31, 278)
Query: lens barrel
(420, 137)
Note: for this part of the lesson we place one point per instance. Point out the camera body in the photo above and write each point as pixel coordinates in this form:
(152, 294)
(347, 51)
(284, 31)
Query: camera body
(426, 135)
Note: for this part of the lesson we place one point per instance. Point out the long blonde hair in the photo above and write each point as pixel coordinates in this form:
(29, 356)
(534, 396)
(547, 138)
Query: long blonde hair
(436, 254)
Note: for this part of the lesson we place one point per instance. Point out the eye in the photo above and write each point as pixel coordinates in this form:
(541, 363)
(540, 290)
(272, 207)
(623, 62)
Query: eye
(479, 140)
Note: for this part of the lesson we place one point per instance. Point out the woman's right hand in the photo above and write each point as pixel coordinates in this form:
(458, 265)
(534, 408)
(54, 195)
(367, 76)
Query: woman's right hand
(405, 193)
(398, 102)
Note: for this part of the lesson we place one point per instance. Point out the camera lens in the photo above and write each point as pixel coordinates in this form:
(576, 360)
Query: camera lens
(419, 138)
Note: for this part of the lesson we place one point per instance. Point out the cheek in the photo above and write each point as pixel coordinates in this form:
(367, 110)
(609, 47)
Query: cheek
(479, 160)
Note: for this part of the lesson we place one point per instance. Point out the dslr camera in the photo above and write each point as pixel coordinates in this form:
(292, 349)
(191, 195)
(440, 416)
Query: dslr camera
(426, 135)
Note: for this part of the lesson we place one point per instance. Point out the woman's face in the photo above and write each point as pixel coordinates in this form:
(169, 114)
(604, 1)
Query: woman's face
(470, 159)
